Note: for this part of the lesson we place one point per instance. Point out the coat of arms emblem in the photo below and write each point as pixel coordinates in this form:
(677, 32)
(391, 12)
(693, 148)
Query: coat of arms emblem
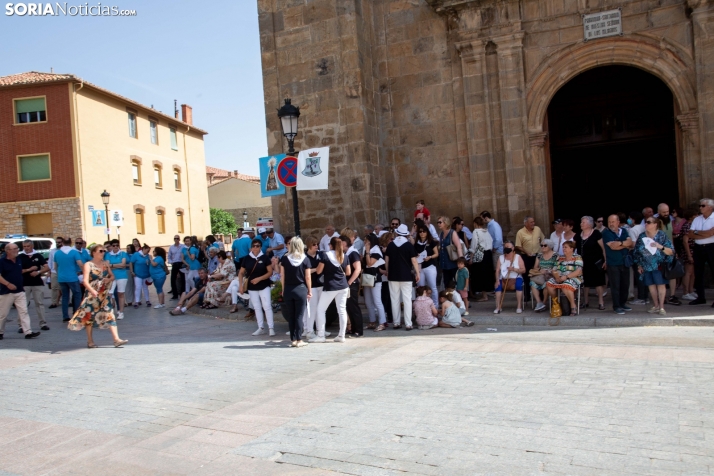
(312, 165)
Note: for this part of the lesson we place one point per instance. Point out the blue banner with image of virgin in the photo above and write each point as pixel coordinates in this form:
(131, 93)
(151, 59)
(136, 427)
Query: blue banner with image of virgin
(269, 183)
(98, 218)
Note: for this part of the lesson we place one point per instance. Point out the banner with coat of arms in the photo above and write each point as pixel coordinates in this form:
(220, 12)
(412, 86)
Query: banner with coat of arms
(313, 169)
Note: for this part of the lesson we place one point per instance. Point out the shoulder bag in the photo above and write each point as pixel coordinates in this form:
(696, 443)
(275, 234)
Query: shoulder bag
(451, 248)
(368, 280)
(674, 269)
(246, 280)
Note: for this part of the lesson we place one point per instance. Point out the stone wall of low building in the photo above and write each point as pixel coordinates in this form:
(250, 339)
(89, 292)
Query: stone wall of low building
(66, 216)
(253, 214)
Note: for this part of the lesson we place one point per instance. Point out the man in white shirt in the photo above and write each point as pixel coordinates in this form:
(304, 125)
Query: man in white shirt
(432, 230)
(54, 284)
(329, 234)
(557, 235)
(702, 232)
(379, 230)
(638, 290)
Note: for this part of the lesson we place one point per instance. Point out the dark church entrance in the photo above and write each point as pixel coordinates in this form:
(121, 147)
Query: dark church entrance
(612, 143)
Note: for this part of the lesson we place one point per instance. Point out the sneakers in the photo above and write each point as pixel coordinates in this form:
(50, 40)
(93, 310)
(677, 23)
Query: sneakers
(620, 311)
(271, 332)
(653, 310)
(339, 339)
(662, 312)
(136, 306)
(497, 311)
(674, 301)
(159, 306)
(540, 307)
(259, 332)
(120, 316)
(328, 334)
(690, 297)
(519, 310)
(32, 335)
(300, 344)
(316, 340)
(45, 328)
(148, 304)
(638, 302)
(626, 308)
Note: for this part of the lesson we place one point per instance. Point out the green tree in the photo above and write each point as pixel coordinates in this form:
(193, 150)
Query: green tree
(222, 222)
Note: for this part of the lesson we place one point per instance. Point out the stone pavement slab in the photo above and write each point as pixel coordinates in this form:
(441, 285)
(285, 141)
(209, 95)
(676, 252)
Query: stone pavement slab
(199, 395)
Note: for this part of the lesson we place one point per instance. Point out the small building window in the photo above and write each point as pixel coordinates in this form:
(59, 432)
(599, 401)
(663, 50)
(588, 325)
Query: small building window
(174, 140)
(154, 133)
(177, 180)
(139, 221)
(30, 110)
(136, 172)
(161, 222)
(132, 125)
(179, 221)
(157, 176)
(33, 168)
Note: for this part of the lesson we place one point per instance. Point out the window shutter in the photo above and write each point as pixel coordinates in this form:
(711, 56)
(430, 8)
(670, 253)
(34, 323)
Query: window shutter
(34, 168)
(29, 105)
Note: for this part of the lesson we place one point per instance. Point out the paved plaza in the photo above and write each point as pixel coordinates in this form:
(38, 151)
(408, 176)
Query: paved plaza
(197, 395)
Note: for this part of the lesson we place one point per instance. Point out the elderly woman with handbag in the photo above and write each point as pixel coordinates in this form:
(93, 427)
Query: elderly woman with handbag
(652, 250)
(509, 276)
(481, 267)
(450, 249)
(567, 276)
(542, 272)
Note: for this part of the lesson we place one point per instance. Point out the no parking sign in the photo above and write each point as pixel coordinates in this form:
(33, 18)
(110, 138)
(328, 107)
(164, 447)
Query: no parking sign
(287, 171)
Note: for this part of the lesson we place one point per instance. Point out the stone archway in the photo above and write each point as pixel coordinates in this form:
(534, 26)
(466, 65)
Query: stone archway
(672, 65)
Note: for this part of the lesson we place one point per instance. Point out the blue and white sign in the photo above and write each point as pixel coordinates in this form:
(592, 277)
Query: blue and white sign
(99, 218)
(313, 168)
(269, 183)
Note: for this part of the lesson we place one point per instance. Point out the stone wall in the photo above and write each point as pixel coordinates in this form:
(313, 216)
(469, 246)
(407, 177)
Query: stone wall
(66, 216)
(253, 214)
(445, 100)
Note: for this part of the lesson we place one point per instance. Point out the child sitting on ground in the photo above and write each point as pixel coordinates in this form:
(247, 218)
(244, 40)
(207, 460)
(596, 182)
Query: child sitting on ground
(456, 298)
(424, 309)
(462, 279)
(450, 315)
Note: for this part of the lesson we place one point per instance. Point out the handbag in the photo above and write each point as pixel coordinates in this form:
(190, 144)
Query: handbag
(673, 270)
(599, 264)
(368, 280)
(244, 288)
(555, 310)
(451, 250)
(477, 256)
(539, 279)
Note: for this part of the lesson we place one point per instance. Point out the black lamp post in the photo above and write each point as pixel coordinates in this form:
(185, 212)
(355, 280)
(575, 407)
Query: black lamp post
(105, 201)
(288, 115)
(245, 219)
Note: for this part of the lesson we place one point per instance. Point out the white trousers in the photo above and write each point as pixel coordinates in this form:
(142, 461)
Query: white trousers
(190, 276)
(373, 301)
(139, 286)
(340, 298)
(233, 289)
(310, 315)
(401, 291)
(427, 276)
(262, 306)
(20, 302)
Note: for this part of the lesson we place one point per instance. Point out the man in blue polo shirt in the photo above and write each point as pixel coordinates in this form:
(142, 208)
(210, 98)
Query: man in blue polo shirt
(12, 291)
(68, 265)
(617, 244)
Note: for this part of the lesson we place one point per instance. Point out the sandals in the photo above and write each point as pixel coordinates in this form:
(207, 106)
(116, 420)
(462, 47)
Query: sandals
(92, 346)
(397, 327)
(233, 310)
(379, 328)
(371, 325)
(601, 307)
(120, 343)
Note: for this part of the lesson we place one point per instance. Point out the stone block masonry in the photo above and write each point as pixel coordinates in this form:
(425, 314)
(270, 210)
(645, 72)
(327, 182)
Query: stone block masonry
(66, 216)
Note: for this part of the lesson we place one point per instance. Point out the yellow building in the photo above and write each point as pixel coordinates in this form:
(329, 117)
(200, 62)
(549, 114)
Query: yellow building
(83, 140)
(237, 193)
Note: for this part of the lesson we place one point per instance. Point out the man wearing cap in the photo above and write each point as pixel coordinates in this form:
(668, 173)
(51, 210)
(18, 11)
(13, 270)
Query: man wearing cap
(12, 291)
(400, 258)
(263, 236)
(240, 247)
(557, 236)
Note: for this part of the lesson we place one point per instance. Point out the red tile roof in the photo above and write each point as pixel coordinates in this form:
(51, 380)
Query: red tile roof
(220, 175)
(35, 77)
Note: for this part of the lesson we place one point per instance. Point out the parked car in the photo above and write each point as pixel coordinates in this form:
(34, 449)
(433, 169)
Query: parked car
(41, 244)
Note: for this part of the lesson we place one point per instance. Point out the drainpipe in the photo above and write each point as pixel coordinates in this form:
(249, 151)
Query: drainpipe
(188, 186)
(79, 160)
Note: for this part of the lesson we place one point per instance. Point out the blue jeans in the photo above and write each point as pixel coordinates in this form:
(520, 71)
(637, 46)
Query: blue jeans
(76, 289)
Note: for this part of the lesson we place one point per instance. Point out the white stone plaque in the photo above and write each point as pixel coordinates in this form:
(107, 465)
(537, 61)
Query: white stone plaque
(602, 25)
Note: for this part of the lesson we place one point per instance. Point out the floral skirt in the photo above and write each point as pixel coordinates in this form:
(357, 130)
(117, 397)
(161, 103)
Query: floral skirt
(94, 311)
(570, 284)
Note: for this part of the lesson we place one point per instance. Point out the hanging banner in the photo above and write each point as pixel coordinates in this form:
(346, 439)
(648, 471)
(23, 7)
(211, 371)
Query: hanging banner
(116, 218)
(313, 169)
(98, 218)
(269, 183)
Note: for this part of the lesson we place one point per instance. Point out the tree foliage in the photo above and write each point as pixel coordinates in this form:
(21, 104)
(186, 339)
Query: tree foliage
(222, 222)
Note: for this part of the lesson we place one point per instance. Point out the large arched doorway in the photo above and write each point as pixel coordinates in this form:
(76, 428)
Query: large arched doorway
(612, 143)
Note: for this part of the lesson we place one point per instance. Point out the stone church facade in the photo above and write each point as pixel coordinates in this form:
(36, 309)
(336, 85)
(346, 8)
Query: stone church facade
(450, 101)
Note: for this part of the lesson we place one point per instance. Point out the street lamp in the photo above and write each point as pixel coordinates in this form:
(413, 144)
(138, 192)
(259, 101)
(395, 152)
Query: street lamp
(105, 201)
(288, 115)
(245, 219)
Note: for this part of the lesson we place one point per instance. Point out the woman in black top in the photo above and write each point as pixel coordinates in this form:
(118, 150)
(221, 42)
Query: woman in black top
(592, 250)
(295, 278)
(354, 312)
(335, 266)
(257, 269)
(427, 250)
(312, 245)
(374, 263)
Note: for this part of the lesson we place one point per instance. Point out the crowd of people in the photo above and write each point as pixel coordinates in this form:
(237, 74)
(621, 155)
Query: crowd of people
(425, 275)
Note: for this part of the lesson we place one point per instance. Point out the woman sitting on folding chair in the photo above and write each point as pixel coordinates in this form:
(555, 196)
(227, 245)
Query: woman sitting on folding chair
(509, 277)
(567, 275)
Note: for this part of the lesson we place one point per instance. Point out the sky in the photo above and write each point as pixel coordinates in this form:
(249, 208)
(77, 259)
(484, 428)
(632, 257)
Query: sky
(204, 54)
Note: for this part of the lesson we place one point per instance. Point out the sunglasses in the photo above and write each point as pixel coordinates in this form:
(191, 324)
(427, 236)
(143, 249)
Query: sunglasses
(102, 251)
(177, 238)
(651, 222)
(256, 246)
(599, 221)
(543, 246)
(702, 206)
(395, 224)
